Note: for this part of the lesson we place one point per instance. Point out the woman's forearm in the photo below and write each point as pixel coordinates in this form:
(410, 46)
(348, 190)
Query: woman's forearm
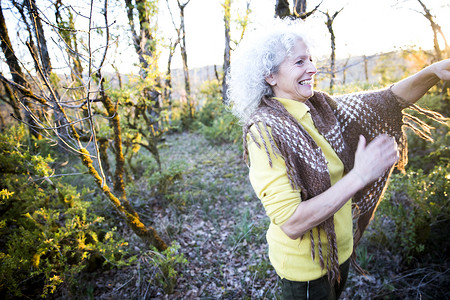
(311, 213)
(371, 161)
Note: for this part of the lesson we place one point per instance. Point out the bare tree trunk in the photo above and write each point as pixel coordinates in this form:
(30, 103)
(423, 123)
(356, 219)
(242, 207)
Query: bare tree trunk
(344, 70)
(145, 46)
(12, 101)
(66, 29)
(299, 7)
(119, 76)
(366, 68)
(144, 42)
(18, 77)
(13, 64)
(53, 102)
(42, 60)
(167, 94)
(226, 55)
(40, 37)
(329, 23)
(282, 9)
(439, 54)
(216, 73)
(11, 59)
(436, 31)
(187, 84)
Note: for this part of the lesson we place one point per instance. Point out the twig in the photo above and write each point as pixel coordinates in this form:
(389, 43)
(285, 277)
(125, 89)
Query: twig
(26, 92)
(91, 123)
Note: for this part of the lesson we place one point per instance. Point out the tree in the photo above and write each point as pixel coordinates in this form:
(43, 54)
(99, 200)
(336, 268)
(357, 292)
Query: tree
(82, 132)
(436, 31)
(226, 56)
(181, 42)
(439, 53)
(14, 67)
(144, 120)
(242, 23)
(66, 29)
(182, 34)
(329, 23)
(282, 9)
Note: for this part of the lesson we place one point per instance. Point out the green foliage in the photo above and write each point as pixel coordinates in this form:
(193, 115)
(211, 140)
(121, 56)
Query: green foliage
(243, 229)
(215, 121)
(224, 129)
(415, 214)
(355, 87)
(425, 154)
(166, 265)
(163, 180)
(388, 71)
(187, 116)
(247, 230)
(48, 234)
(364, 257)
(262, 269)
(212, 104)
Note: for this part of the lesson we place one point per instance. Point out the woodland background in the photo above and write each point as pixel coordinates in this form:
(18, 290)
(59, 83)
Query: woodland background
(132, 186)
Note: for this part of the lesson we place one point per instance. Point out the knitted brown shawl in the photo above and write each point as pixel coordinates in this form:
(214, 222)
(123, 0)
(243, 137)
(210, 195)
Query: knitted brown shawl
(340, 120)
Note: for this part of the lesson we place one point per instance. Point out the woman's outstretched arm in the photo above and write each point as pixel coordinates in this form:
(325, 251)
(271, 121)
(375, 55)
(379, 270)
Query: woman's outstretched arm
(414, 87)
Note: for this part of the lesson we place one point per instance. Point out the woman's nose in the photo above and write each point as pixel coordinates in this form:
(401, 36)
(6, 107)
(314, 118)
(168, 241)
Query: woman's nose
(312, 68)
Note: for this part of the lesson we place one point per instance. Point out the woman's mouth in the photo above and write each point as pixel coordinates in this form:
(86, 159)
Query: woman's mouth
(306, 82)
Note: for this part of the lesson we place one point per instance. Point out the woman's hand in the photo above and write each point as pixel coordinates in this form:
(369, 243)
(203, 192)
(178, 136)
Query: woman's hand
(442, 69)
(372, 160)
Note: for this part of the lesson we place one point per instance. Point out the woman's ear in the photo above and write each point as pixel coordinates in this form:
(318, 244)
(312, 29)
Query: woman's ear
(271, 80)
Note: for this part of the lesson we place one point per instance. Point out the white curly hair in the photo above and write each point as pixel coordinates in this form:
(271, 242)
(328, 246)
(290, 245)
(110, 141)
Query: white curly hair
(257, 56)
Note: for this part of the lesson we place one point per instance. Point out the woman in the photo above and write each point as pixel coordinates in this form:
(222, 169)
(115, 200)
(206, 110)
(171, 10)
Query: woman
(309, 154)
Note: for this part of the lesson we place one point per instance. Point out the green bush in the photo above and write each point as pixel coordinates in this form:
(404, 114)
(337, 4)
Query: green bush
(214, 120)
(424, 154)
(413, 219)
(162, 181)
(212, 107)
(224, 129)
(166, 265)
(47, 233)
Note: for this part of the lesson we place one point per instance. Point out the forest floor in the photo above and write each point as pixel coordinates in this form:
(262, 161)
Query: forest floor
(214, 216)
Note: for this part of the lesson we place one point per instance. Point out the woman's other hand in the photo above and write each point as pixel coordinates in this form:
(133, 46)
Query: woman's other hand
(373, 159)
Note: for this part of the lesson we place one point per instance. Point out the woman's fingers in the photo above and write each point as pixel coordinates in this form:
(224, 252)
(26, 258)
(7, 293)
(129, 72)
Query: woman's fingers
(375, 158)
(442, 69)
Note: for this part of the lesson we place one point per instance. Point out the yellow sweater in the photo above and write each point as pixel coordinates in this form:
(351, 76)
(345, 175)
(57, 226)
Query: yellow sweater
(292, 258)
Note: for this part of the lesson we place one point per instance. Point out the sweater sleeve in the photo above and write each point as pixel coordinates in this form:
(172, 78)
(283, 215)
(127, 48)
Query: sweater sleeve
(271, 184)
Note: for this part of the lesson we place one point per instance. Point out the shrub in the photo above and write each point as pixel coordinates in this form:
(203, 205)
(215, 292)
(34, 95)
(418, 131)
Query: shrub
(165, 266)
(414, 216)
(162, 181)
(224, 129)
(214, 120)
(47, 233)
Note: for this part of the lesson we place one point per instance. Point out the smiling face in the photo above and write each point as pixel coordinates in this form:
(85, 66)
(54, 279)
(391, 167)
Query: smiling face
(294, 79)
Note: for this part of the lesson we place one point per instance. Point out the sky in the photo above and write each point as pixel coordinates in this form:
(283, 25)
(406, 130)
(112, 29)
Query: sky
(363, 27)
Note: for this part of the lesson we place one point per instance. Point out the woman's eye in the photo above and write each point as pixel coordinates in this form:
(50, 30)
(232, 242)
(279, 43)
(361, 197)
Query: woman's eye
(300, 62)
